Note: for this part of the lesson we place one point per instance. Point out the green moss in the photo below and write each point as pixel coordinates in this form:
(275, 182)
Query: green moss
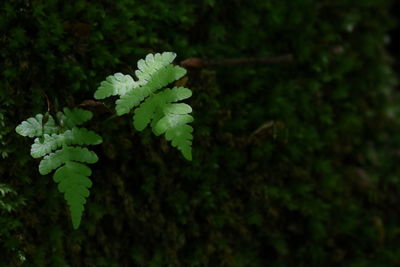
(293, 164)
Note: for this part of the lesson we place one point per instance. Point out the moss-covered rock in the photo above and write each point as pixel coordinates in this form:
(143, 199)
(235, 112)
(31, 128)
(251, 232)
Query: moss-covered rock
(294, 164)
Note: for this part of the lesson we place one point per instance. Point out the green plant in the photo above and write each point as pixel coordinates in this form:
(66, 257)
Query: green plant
(157, 109)
(61, 145)
(7, 205)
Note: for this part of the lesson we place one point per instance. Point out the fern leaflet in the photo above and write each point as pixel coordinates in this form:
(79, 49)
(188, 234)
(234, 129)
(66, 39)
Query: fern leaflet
(117, 84)
(74, 183)
(61, 145)
(161, 78)
(75, 136)
(152, 63)
(75, 117)
(36, 126)
(120, 84)
(154, 73)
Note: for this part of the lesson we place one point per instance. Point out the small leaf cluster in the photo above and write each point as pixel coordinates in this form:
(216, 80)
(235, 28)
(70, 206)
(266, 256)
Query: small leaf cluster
(155, 105)
(62, 146)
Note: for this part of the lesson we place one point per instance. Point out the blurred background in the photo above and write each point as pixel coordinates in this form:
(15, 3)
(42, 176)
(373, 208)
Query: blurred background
(295, 162)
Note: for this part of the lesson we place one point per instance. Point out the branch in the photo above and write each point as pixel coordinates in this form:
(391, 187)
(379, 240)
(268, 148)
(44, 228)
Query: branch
(197, 63)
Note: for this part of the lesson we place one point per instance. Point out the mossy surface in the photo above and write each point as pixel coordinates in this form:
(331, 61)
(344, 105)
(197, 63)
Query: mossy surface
(294, 164)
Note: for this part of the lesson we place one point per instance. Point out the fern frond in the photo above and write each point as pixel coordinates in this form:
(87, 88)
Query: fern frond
(152, 63)
(178, 109)
(160, 79)
(150, 109)
(69, 161)
(176, 130)
(169, 118)
(176, 94)
(74, 183)
(76, 136)
(60, 157)
(34, 127)
(156, 108)
(117, 84)
(73, 117)
(145, 113)
(175, 120)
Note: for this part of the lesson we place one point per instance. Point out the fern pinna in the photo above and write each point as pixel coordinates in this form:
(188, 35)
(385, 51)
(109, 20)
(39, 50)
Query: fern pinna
(62, 146)
(157, 108)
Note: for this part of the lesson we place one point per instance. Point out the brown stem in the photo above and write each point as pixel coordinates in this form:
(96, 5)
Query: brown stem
(94, 103)
(201, 63)
(47, 100)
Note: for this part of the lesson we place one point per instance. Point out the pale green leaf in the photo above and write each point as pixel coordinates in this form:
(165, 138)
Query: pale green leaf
(55, 160)
(73, 117)
(170, 121)
(153, 62)
(180, 108)
(33, 127)
(76, 136)
(130, 100)
(158, 108)
(145, 113)
(176, 94)
(165, 76)
(73, 181)
(181, 137)
(160, 79)
(117, 84)
(71, 174)
(176, 130)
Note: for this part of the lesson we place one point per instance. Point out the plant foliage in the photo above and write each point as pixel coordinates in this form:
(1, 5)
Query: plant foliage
(62, 146)
(157, 109)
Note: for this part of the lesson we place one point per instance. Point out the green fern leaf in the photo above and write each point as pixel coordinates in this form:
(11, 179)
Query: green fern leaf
(73, 117)
(74, 183)
(168, 118)
(117, 84)
(180, 108)
(160, 79)
(60, 157)
(176, 130)
(170, 121)
(145, 113)
(69, 158)
(152, 63)
(155, 108)
(181, 138)
(33, 127)
(150, 109)
(76, 136)
(176, 94)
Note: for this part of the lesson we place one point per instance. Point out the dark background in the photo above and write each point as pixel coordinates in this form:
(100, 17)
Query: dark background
(294, 164)
(394, 44)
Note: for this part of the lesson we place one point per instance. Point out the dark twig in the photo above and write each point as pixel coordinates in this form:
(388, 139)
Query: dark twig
(94, 103)
(47, 100)
(202, 63)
